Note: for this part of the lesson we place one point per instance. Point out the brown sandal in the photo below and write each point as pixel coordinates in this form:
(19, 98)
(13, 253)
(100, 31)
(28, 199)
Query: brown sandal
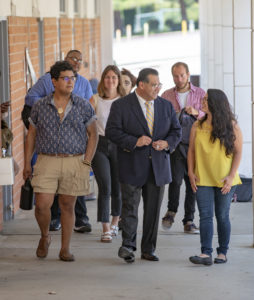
(43, 247)
(69, 257)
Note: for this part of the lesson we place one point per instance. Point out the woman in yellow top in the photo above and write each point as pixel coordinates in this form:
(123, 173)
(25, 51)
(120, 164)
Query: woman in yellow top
(214, 156)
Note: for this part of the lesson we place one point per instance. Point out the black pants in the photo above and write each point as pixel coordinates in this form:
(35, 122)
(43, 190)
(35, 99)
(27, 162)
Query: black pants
(179, 172)
(152, 198)
(105, 168)
(80, 211)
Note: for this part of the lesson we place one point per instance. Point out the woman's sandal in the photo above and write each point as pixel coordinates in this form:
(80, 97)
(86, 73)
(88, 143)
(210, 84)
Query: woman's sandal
(106, 237)
(114, 230)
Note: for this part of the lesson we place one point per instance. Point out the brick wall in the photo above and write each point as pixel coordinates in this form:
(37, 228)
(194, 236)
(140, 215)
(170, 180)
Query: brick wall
(97, 44)
(65, 35)
(51, 51)
(92, 47)
(86, 48)
(23, 33)
(80, 44)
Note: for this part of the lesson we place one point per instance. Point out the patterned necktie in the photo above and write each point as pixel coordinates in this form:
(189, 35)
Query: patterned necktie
(149, 116)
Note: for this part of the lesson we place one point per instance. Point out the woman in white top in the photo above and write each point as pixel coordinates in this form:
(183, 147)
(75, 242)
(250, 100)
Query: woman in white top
(104, 163)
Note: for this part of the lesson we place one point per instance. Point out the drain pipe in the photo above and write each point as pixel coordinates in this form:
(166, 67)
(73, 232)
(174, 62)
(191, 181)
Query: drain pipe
(252, 115)
(253, 158)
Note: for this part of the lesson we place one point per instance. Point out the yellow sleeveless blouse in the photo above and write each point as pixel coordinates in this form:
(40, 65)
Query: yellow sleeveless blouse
(211, 162)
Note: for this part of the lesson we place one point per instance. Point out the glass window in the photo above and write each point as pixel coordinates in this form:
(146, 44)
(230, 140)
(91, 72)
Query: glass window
(62, 6)
(76, 6)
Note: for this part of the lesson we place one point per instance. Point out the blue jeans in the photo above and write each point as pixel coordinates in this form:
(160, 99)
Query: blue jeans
(210, 199)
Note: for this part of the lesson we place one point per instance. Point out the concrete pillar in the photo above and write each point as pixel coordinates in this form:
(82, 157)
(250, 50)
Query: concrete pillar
(106, 15)
(226, 60)
(227, 63)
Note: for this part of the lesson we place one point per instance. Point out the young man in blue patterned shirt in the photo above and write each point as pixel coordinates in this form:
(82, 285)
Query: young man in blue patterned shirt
(63, 132)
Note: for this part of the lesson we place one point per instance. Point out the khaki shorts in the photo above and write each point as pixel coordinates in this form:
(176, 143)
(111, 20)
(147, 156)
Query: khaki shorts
(61, 175)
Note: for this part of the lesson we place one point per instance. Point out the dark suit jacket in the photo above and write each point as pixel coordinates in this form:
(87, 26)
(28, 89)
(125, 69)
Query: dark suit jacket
(126, 123)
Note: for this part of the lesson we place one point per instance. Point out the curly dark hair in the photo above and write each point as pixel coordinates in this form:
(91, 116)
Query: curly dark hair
(223, 119)
(59, 67)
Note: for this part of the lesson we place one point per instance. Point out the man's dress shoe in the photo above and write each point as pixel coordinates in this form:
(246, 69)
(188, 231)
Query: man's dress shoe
(127, 254)
(149, 256)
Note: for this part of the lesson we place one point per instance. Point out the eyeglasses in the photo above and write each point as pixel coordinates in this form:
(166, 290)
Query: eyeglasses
(75, 59)
(155, 86)
(68, 78)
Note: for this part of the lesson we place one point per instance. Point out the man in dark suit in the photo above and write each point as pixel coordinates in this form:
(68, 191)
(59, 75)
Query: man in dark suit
(146, 130)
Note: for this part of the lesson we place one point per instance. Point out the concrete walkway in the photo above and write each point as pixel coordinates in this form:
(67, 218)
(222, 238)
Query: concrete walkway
(98, 273)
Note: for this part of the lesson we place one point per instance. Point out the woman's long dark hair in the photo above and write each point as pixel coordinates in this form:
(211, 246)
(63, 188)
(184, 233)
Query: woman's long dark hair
(222, 119)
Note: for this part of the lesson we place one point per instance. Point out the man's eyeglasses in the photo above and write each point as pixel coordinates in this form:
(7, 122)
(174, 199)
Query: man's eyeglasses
(75, 59)
(68, 78)
(155, 86)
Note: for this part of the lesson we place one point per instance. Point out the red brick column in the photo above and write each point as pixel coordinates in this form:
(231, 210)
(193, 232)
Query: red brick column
(97, 43)
(66, 35)
(51, 49)
(23, 33)
(86, 47)
(80, 44)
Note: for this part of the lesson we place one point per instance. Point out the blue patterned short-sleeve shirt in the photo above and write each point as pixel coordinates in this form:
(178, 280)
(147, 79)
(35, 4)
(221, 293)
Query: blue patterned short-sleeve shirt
(68, 136)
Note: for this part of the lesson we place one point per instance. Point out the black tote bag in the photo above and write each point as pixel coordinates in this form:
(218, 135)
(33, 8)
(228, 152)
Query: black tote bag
(26, 198)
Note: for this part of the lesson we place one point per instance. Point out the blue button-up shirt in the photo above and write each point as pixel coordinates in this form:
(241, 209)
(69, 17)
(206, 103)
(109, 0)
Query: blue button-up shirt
(44, 87)
(68, 136)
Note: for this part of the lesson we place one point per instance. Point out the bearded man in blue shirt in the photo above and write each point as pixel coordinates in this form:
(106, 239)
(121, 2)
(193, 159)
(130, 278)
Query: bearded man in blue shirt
(82, 88)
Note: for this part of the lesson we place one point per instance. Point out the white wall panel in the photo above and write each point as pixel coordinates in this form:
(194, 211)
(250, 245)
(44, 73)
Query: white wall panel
(218, 77)
(23, 8)
(242, 47)
(217, 12)
(228, 87)
(5, 8)
(246, 162)
(211, 75)
(243, 110)
(242, 13)
(44, 10)
(227, 49)
(210, 42)
(210, 17)
(218, 45)
(227, 12)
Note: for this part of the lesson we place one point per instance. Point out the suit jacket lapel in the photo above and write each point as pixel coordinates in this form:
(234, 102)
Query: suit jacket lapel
(137, 110)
